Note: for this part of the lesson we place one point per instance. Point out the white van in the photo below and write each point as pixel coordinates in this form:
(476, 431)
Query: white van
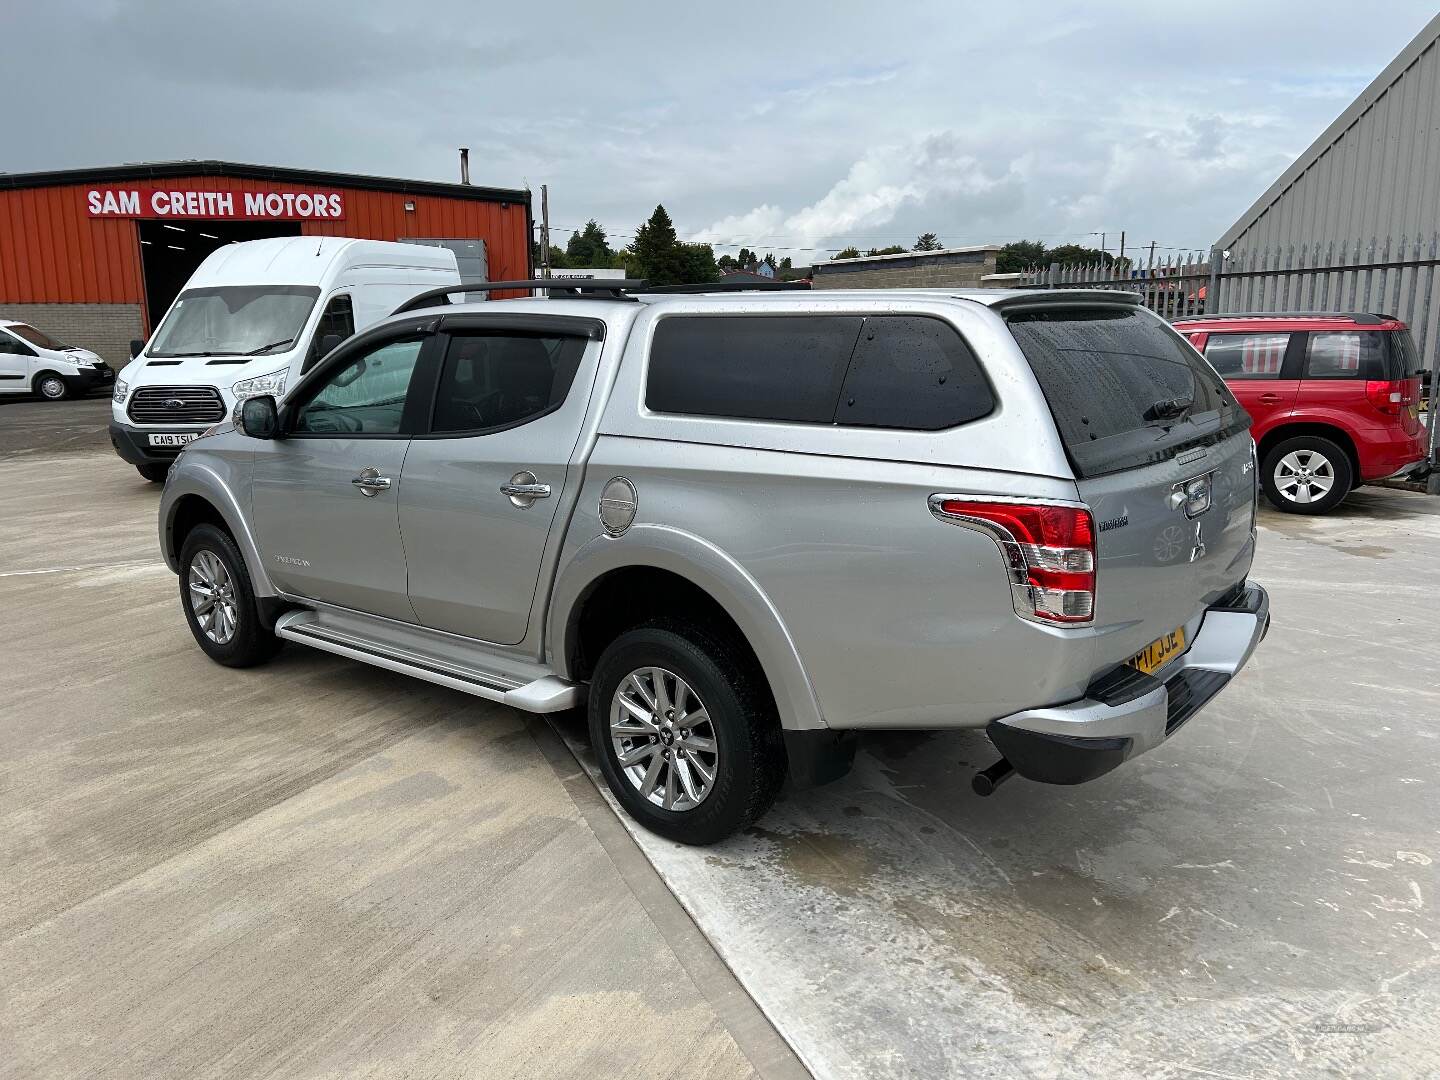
(32, 362)
(251, 320)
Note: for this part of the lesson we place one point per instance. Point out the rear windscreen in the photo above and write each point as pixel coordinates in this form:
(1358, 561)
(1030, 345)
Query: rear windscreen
(1124, 388)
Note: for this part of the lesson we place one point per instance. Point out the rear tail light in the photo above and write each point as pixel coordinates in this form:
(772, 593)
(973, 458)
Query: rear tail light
(1049, 551)
(1391, 397)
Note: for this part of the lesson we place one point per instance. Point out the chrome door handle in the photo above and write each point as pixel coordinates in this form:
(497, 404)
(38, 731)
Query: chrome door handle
(526, 491)
(371, 483)
(524, 488)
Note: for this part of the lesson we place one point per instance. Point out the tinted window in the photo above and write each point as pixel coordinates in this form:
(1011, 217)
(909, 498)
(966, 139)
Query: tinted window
(1404, 359)
(10, 345)
(366, 396)
(1347, 355)
(497, 379)
(1125, 389)
(1247, 356)
(778, 367)
(338, 319)
(914, 373)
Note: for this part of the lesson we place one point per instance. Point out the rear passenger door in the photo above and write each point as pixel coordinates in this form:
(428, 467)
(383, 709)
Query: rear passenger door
(1262, 371)
(483, 483)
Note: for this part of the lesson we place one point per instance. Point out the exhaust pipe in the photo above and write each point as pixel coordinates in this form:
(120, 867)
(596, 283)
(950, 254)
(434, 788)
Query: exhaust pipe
(985, 783)
(464, 164)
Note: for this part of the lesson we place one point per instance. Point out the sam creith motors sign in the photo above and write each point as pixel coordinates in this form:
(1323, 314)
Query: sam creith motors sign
(222, 205)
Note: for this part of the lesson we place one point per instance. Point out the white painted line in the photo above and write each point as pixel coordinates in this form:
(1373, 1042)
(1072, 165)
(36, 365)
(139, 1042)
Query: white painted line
(74, 569)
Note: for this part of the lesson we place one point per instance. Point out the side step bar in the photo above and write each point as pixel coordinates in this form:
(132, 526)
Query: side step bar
(547, 694)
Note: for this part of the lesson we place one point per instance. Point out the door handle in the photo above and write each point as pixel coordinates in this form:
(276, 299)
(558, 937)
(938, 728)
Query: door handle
(524, 488)
(371, 483)
(1269, 399)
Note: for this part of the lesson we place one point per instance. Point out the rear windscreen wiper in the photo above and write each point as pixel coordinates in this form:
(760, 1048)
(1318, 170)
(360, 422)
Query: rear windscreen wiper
(1168, 409)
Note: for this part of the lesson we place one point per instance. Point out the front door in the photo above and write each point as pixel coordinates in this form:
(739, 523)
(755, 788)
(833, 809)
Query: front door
(482, 486)
(14, 363)
(1262, 371)
(326, 496)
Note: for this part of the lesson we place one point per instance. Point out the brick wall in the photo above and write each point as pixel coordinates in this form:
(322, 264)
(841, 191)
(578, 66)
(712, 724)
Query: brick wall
(918, 271)
(105, 328)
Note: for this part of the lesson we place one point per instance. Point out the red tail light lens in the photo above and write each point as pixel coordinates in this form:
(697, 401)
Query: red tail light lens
(1049, 549)
(1392, 397)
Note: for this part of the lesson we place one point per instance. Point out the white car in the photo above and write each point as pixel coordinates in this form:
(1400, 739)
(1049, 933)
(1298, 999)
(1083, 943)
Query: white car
(32, 362)
(252, 319)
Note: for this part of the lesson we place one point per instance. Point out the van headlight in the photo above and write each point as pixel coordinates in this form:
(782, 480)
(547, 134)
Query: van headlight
(273, 384)
(121, 389)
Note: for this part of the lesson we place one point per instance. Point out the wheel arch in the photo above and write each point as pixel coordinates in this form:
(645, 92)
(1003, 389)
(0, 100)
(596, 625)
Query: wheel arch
(195, 495)
(695, 577)
(1292, 430)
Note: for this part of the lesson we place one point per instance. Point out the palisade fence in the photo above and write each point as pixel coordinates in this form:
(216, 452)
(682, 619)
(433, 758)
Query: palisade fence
(1389, 277)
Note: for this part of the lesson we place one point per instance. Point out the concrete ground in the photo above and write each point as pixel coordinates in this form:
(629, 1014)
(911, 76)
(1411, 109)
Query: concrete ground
(316, 868)
(1257, 898)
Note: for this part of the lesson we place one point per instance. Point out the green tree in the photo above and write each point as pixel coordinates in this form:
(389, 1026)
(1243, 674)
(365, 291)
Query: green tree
(725, 262)
(848, 253)
(1068, 254)
(894, 249)
(769, 261)
(557, 257)
(1020, 255)
(745, 259)
(657, 255)
(698, 263)
(927, 242)
(590, 247)
(785, 263)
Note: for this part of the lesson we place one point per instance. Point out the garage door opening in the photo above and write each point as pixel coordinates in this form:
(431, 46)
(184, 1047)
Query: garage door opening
(170, 252)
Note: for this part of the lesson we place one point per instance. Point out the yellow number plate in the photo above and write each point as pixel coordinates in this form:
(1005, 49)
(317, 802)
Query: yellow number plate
(1151, 658)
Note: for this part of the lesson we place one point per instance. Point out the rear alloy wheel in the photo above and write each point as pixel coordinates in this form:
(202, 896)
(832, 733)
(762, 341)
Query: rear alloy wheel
(1306, 475)
(685, 731)
(51, 387)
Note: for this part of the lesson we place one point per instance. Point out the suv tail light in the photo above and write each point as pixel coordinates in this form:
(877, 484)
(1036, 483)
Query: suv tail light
(1392, 397)
(1049, 550)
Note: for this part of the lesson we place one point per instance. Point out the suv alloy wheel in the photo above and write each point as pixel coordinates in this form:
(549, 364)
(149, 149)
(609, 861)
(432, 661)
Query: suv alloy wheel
(219, 602)
(685, 733)
(1306, 475)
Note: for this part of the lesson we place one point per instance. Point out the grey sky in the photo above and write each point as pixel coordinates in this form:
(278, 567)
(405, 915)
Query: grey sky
(792, 126)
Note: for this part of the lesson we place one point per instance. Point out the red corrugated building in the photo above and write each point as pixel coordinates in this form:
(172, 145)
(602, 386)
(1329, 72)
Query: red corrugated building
(94, 256)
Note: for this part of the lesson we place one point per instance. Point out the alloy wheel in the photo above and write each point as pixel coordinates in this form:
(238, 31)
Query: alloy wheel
(1304, 476)
(663, 738)
(212, 597)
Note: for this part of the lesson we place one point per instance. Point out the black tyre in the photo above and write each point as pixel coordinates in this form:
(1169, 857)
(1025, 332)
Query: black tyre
(219, 601)
(1306, 475)
(685, 732)
(154, 473)
(51, 387)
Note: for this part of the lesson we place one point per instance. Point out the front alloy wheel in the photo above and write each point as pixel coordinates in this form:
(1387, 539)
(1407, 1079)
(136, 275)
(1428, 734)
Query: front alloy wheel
(663, 739)
(219, 602)
(212, 597)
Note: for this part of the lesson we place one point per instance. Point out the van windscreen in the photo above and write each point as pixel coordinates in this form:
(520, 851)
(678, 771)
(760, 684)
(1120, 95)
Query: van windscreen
(234, 320)
(1124, 388)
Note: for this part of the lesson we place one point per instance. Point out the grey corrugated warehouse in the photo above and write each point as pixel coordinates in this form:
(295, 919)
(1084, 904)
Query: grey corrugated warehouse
(1374, 172)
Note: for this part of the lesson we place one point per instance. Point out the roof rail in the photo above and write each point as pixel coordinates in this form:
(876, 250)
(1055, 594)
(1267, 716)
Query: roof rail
(727, 286)
(1362, 318)
(614, 289)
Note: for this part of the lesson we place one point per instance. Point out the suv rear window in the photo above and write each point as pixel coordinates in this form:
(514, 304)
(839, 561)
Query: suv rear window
(1358, 354)
(1124, 388)
(893, 371)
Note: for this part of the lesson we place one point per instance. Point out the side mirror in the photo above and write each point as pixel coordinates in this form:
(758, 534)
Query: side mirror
(259, 418)
(329, 342)
(137, 346)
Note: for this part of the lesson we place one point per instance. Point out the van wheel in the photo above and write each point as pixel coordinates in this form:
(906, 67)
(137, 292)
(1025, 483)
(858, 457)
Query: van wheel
(685, 733)
(51, 387)
(1306, 475)
(219, 601)
(156, 474)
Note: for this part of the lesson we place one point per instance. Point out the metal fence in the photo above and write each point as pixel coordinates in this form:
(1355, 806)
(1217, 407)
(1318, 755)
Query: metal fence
(1396, 278)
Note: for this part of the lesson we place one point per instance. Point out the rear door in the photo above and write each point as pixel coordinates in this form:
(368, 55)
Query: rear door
(326, 497)
(1162, 456)
(1262, 371)
(483, 484)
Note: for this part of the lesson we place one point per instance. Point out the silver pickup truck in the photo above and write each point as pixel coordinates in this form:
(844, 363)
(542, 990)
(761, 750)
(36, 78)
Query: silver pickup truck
(742, 527)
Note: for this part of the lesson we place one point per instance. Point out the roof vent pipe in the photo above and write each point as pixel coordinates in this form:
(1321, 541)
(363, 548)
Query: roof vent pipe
(464, 164)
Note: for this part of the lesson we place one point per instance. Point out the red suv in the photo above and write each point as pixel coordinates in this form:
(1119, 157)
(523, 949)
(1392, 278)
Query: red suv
(1334, 398)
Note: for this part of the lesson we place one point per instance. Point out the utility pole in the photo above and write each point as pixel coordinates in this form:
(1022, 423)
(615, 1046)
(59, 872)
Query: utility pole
(1152, 256)
(1122, 243)
(544, 230)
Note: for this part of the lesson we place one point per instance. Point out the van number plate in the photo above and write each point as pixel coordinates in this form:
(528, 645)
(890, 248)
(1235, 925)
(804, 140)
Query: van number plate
(1153, 657)
(179, 438)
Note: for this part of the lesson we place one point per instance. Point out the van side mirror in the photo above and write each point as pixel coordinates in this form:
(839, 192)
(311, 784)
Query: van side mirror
(259, 417)
(137, 346)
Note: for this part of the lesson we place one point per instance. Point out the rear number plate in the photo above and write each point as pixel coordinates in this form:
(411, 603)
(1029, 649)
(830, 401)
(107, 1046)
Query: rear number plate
(179, 438)
(1153, 657)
